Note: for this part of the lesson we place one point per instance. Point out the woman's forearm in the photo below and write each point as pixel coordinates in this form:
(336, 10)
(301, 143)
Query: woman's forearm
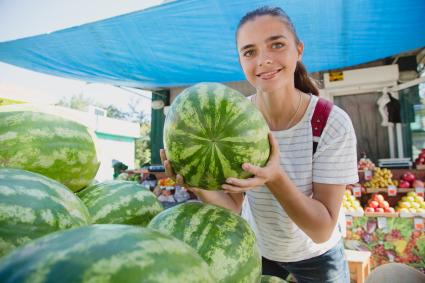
(232, 202)
(309, 214)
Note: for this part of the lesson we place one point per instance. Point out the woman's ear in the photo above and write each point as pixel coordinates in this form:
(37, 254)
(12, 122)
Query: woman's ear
(300, 48)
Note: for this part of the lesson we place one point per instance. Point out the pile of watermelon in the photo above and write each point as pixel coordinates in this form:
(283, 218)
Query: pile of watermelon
(57, 226)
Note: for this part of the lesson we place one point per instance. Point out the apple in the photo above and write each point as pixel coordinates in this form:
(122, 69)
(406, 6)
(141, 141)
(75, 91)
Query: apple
(373, 204)
(409, 177)
(378, 198)
(369, 209)
(379, 209)
(404, 184)
(389, 210)
(384, 204)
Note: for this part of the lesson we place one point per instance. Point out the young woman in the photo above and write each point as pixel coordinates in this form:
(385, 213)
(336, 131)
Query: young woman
(293, 203)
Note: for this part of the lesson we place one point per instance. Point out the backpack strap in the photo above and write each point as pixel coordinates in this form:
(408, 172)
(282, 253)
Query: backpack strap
(318, 121)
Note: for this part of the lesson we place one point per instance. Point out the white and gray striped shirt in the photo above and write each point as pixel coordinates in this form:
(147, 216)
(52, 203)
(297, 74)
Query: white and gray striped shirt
(335, 162)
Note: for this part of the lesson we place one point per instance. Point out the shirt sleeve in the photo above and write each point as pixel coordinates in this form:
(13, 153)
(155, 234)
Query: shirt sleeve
(335, 161)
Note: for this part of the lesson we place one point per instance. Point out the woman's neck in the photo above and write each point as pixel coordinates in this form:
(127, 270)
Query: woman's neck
(282, 109)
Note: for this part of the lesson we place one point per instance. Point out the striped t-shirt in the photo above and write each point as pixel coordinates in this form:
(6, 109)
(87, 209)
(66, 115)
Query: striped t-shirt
(335, 162)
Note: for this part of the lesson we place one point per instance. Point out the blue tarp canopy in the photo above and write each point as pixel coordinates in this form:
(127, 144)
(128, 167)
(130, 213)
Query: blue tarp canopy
(189, 41)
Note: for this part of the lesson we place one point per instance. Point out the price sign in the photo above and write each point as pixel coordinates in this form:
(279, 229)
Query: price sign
(382, 222)
(357, 191)
(420, 192)
(349, 221)
(418, 222)
(392, 190)
(367, 174)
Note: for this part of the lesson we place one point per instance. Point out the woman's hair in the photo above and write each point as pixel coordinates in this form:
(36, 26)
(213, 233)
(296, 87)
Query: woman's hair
(301, 79)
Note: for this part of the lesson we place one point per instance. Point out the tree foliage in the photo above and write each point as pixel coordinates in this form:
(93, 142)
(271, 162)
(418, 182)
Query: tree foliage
(78, 101)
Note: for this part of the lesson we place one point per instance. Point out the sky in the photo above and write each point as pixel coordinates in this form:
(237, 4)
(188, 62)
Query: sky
(23, 18)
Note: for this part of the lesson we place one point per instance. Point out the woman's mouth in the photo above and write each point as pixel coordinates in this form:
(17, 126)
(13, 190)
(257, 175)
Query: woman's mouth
(268, 75)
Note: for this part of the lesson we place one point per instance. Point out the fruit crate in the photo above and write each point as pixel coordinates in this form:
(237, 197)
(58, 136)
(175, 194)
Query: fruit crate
(381, 214)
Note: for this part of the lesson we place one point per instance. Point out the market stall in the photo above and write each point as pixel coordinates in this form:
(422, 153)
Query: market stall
(385, 215)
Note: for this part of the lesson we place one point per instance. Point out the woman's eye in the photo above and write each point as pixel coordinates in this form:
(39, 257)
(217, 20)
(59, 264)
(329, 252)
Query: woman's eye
(248, 53)
(277, 45)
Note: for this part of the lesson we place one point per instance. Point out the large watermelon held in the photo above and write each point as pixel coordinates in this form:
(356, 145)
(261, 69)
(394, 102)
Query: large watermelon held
(210, 131)
(120, 202)
(222, 238)
(105, 253)
(272, 279)
(36, 140)
(32, 205)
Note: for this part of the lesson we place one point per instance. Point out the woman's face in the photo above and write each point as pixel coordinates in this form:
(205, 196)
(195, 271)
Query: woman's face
(268, 53)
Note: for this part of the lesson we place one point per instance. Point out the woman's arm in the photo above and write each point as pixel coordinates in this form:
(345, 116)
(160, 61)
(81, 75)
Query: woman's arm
(232, 201)
(316, 216)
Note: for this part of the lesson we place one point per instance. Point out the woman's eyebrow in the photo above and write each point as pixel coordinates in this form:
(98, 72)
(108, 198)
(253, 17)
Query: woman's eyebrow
(271, 38)
(275, 37)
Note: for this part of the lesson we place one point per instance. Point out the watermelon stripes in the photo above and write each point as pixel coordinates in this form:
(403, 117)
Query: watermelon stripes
(32, 206)
(223, 239)
(120, 202)
(105, 253)
(210, 131)
(58, 148)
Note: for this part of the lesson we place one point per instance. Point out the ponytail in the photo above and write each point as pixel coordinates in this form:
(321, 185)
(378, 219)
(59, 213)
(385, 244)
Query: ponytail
(303, 82)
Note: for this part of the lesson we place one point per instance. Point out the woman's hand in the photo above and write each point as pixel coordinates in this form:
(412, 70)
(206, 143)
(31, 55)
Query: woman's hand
(170, 173)
(262, 175)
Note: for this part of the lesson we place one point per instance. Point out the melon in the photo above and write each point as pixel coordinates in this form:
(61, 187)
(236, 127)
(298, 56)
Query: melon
(210, 131)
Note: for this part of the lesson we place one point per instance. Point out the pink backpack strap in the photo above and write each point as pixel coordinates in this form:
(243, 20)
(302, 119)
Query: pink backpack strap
(318, 121)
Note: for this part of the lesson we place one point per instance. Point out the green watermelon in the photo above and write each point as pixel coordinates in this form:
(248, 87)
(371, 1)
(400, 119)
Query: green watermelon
(105, 253)
(210, 131)
(222, 238)
(120, 202)
(38, 140)
(272, 279)
(32, 205)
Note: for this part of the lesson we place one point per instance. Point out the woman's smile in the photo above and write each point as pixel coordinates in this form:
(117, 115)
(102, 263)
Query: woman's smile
(268, 75)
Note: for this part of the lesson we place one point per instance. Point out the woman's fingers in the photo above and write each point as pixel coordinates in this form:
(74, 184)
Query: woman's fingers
(274, 146)
(255, 170)
(168, 170)
(180, 181)
(162, 155)
(242, 183)
(234, 189)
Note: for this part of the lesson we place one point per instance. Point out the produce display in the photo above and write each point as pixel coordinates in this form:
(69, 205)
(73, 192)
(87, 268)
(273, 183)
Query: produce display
(48, 204)
(56, 147)
(120, 202)
(105, 253)
(393, 226)
(420, 159)
(210, 131)
(365, 164)
(382, 178)
(32, 205)
(222, 238)
(350, 203)
(411, 203)
(377, 203)
(398, 241)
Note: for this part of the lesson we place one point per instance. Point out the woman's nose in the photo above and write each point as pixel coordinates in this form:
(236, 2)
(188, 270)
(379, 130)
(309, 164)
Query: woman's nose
(265, 61)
